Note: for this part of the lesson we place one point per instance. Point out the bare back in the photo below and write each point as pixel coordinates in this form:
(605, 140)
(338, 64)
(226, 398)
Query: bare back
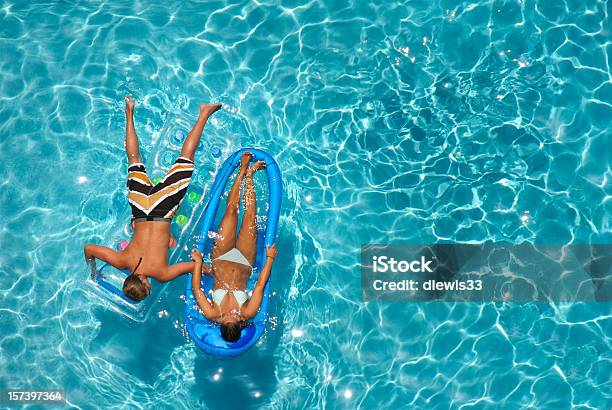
(149, 242)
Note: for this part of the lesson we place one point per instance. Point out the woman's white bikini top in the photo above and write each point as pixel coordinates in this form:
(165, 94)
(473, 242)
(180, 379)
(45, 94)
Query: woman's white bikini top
(240, 295)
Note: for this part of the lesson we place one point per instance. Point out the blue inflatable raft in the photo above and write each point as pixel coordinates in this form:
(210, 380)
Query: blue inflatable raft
(206, 334)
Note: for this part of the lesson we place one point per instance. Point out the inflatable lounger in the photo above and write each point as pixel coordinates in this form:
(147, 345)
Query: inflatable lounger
(108, 284)
(205, 333)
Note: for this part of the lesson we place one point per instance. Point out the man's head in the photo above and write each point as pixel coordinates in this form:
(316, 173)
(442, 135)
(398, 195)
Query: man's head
(230, 332)
(136, 287)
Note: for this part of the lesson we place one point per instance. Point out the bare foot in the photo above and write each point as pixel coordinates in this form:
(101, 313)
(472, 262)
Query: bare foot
(129, 103)
(244, 161)
(256, 167)
(209, 109)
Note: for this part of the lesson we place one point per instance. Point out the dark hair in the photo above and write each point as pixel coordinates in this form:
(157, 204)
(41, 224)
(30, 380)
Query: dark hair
(134, 288)
(230, 332)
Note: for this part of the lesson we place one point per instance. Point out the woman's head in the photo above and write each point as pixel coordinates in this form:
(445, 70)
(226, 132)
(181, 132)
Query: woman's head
(136, 287)
(230, 331)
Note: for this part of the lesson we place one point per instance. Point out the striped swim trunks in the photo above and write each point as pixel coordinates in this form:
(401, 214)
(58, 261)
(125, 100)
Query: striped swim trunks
(158, 202)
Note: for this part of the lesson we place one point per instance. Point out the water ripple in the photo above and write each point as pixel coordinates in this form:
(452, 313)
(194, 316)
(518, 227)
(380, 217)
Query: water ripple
(406, 122)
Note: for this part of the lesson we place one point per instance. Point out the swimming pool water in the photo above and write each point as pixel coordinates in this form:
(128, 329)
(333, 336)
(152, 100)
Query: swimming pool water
(392, 122)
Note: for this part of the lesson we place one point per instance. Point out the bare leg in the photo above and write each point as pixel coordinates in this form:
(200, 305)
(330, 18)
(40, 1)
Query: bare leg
(193, 138)
(131, 140)
(226, 239)
(247, 237)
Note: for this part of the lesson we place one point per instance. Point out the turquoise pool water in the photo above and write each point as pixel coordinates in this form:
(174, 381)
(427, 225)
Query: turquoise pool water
(392, 122)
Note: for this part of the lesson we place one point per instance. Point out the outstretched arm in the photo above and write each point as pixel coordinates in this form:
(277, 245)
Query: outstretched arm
(117, 259)
(252, 306)
(205, 305)
(179, 269)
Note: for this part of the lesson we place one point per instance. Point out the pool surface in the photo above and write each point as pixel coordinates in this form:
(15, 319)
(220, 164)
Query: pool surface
(392, 122)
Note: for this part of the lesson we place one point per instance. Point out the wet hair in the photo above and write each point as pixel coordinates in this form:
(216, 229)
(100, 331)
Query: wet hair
(134, 288)
(230, 332)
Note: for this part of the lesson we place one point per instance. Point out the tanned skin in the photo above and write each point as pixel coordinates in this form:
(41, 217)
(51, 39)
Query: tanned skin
(230, 275)
(151, 239)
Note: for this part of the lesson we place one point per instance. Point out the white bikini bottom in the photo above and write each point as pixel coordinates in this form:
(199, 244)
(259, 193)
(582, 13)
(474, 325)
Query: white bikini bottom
(234, 255)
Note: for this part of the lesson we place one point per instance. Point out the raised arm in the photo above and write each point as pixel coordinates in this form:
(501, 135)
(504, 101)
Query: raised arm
(250, 308)
(205, 305)
(117, 259)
